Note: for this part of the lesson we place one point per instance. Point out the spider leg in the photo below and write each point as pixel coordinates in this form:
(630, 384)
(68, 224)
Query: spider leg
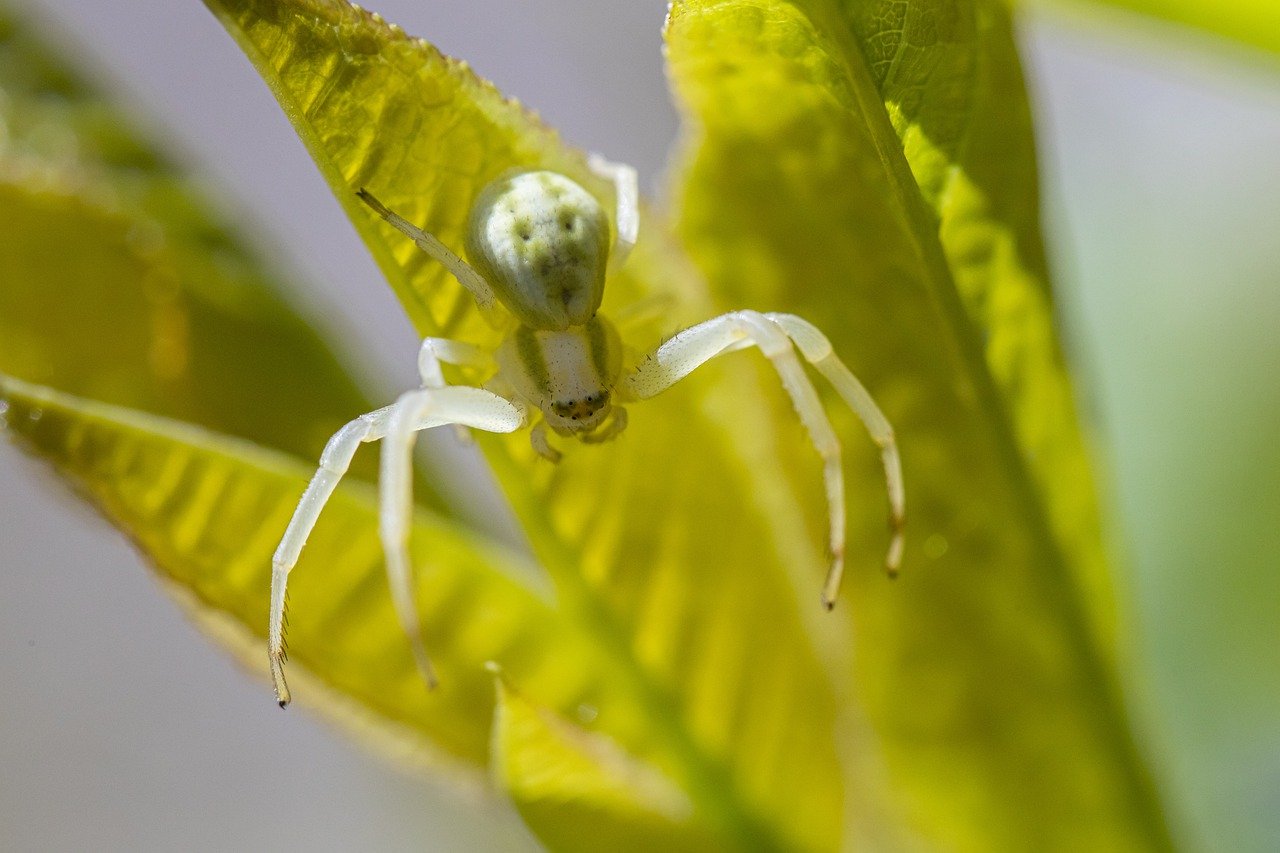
(542, 444)
(470, 406)
(334, 462)
(437, 351)
(693, 347)
(429, 243)
(626, 189)
(432, 407)
(817, 350)
(616, 424)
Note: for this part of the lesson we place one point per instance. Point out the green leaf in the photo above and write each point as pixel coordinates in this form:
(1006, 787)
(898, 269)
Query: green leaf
(576, 788)
(383, 111)
(701, 584)
(208, 511)
(869, 166)
(952, 86)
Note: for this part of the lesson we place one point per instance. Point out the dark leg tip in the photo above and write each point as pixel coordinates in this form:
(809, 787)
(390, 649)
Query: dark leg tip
(283, 703)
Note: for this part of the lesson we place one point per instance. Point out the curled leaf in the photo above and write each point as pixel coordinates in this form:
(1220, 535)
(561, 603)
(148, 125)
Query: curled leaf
(867, 166)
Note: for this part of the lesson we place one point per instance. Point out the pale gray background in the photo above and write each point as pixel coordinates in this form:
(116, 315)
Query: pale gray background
(123, 728)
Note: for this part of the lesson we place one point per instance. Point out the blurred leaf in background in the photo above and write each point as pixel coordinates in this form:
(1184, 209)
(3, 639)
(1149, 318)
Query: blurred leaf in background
(1168, 238)
(1255, 23)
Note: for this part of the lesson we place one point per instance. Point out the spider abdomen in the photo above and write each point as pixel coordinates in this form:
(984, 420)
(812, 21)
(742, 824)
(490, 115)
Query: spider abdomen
(542, 243)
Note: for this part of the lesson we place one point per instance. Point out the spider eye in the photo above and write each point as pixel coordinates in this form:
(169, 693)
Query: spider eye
(581, 408)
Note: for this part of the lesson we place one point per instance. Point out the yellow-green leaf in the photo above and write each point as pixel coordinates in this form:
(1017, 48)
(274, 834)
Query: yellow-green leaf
(985, 672)
(579, 790)
(208, 511)
(387, 112)
(952, 86)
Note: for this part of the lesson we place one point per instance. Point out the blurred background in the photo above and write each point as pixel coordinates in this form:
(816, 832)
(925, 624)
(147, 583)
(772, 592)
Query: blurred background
(122, 727)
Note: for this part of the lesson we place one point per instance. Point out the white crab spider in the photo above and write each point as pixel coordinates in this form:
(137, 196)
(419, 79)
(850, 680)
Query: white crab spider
(539, 248)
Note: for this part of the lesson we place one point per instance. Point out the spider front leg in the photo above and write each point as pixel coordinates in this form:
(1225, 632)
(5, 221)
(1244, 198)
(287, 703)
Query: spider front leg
(485, 410)
(334, 462)
(817, 350)
(437, 351)
(414, 411)
(688, 350)
(612, 429)
(626, 191)
(542, 444)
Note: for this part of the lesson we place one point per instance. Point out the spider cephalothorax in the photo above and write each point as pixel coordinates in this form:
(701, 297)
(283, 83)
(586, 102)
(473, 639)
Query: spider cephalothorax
(539, 249)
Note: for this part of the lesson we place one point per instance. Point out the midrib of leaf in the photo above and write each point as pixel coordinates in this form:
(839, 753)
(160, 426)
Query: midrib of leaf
(966, 340)
(708, 782)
